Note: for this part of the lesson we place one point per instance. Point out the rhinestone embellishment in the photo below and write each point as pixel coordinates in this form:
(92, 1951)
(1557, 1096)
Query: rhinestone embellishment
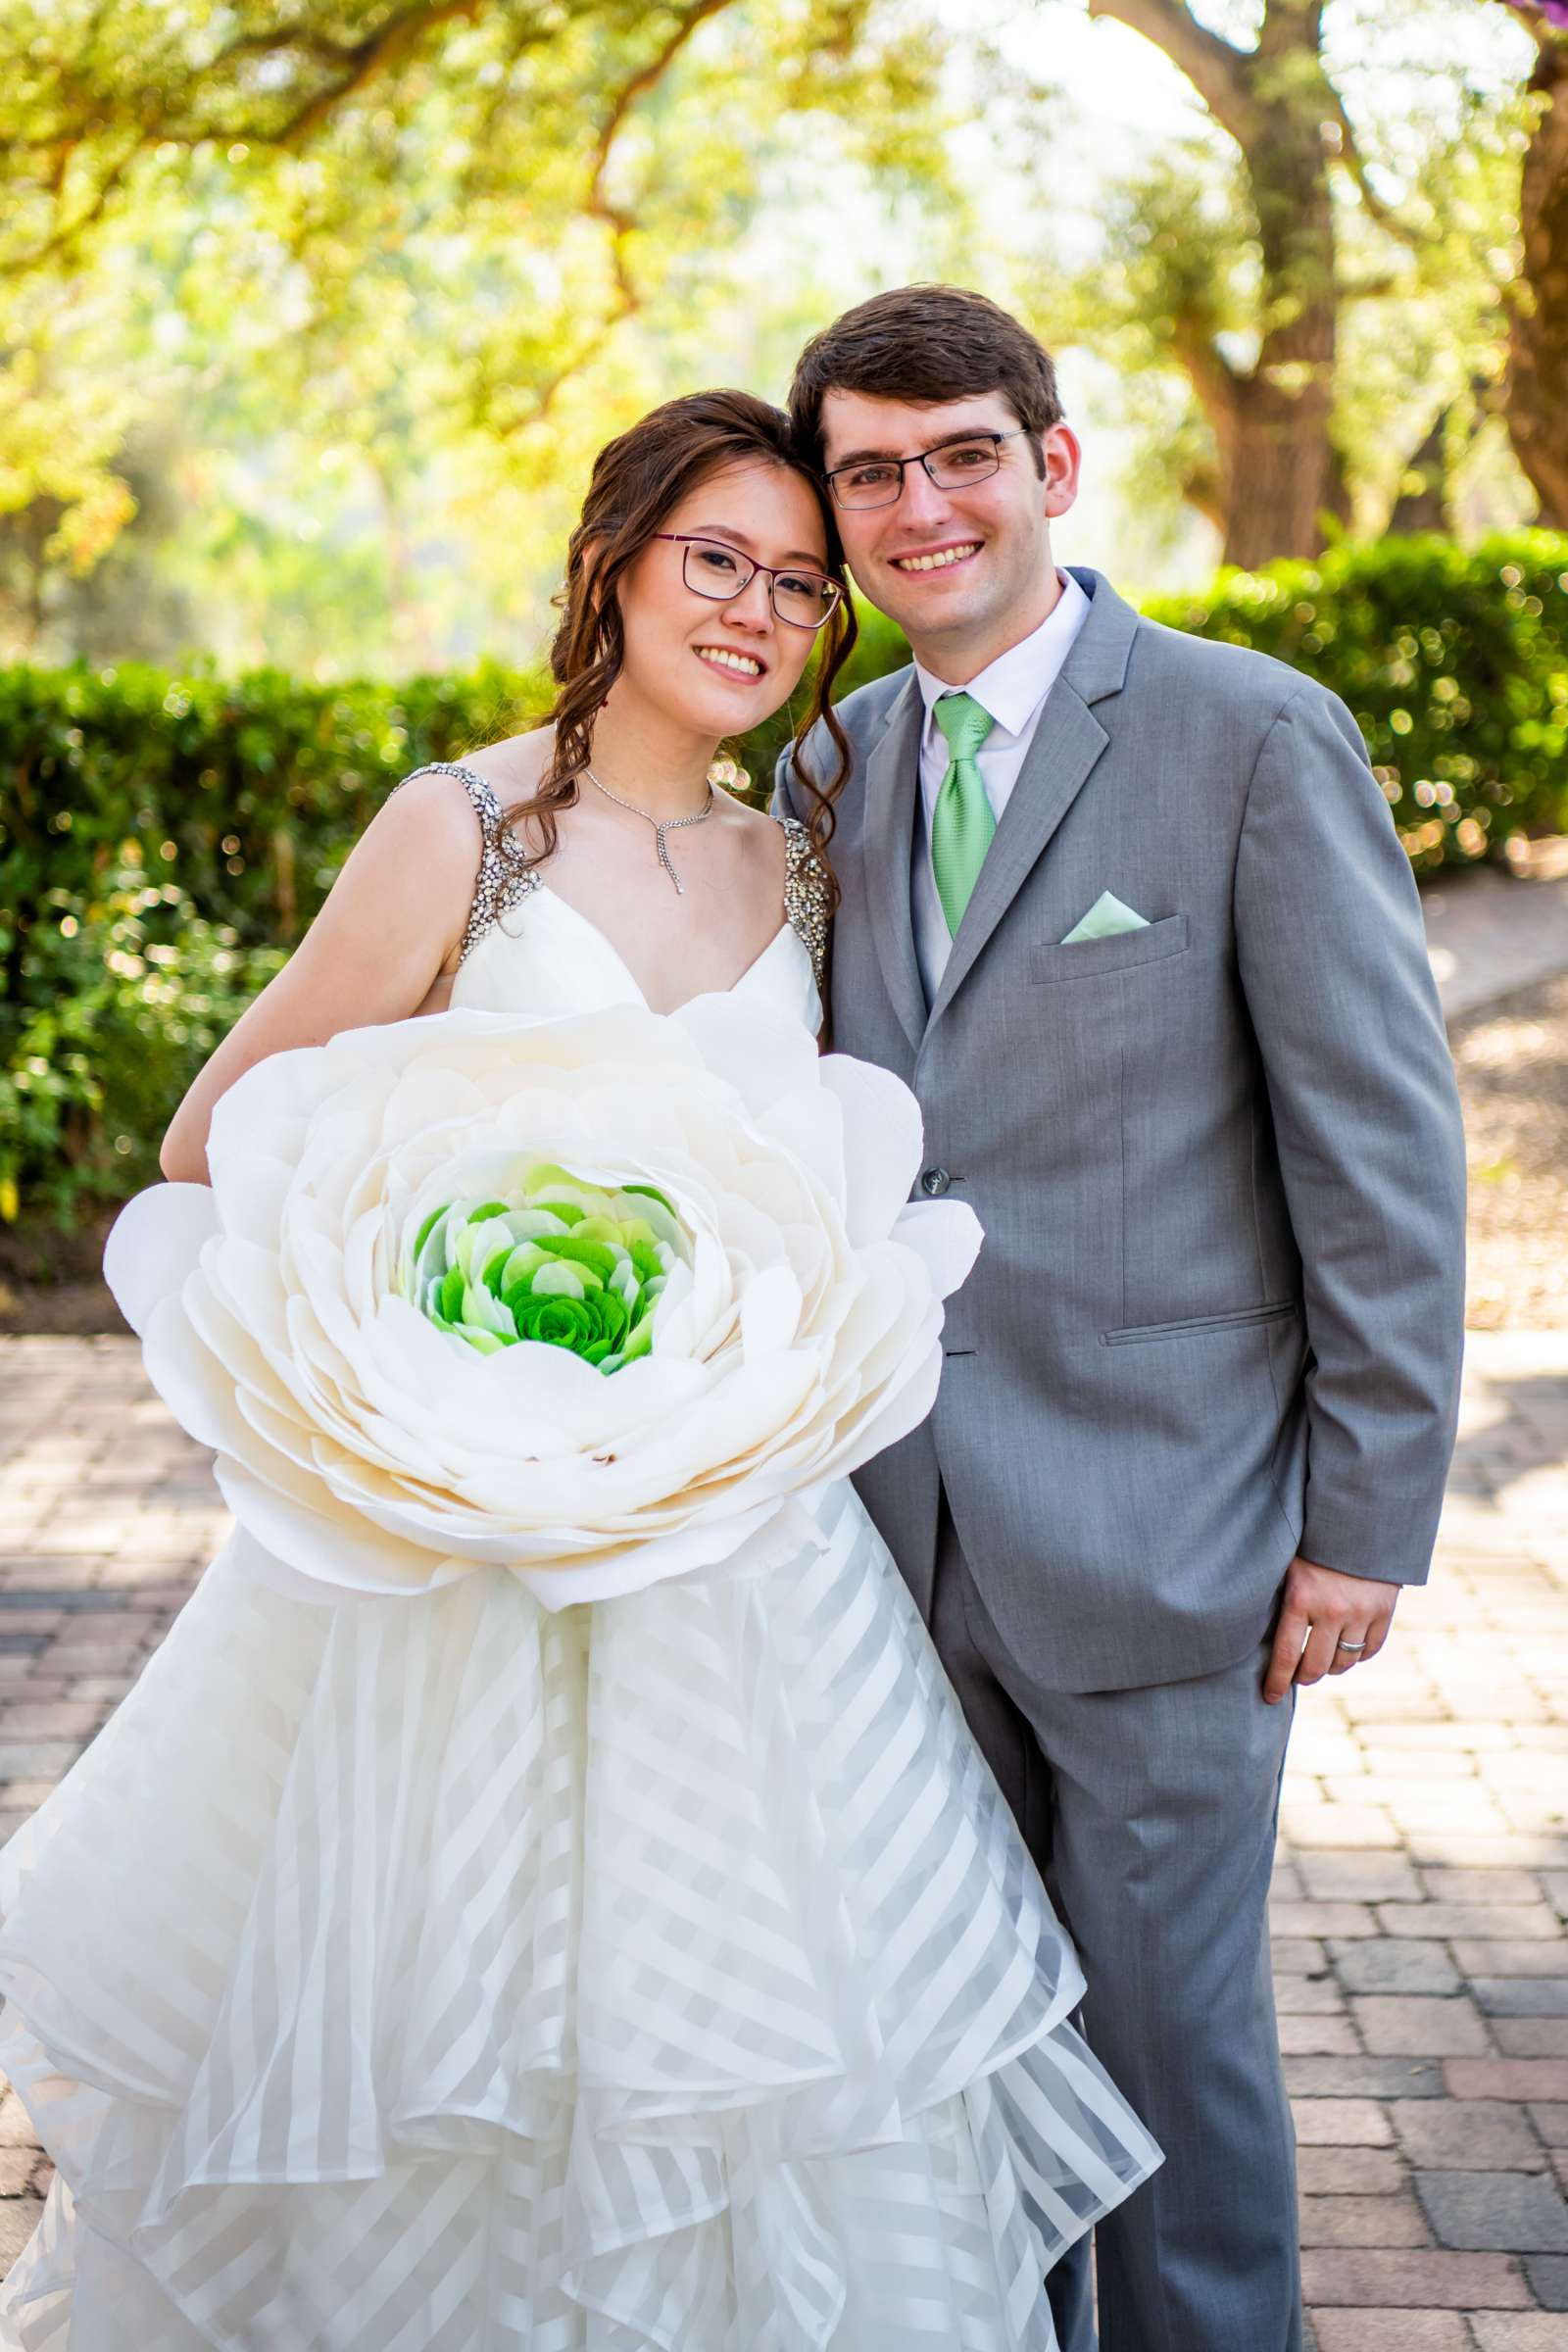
(806, 895)
(505, 880)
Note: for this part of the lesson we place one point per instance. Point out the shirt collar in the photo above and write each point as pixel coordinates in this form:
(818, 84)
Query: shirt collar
(1014, 685)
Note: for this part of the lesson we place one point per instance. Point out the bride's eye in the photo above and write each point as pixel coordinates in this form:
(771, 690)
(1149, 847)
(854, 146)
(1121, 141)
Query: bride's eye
(716, 561)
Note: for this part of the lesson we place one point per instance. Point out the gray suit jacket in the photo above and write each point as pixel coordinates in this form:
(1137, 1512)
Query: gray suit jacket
(1217, 1318)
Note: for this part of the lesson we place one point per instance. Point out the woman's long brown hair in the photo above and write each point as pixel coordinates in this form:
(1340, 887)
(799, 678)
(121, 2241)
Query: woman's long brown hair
(638, 480)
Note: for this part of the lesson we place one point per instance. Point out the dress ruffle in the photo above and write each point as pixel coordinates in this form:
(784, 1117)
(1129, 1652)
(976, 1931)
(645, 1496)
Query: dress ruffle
(450, 1975)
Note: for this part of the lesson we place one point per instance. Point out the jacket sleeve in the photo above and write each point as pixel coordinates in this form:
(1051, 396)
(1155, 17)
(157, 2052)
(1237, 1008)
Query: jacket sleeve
(783, 800)
(1332, 961)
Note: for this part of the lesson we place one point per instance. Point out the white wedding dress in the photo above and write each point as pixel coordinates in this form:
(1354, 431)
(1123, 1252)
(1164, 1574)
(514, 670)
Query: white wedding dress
(449, 1975)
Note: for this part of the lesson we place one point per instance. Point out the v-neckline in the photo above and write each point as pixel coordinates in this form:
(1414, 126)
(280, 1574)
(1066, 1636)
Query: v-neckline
(608, 944)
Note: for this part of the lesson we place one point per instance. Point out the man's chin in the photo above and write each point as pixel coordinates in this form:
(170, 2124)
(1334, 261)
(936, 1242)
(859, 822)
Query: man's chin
(941, 618)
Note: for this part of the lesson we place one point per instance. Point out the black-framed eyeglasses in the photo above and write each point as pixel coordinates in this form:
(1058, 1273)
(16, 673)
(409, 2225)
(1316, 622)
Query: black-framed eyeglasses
(879, 481)
(710, 567)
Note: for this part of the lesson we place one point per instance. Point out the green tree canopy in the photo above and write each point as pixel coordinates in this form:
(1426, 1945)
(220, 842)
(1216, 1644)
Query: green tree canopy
(434, 251)
(1323, 266)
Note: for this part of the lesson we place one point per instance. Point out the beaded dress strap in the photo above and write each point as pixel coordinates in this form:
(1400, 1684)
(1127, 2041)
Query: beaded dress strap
(807, 895)
(503, 879)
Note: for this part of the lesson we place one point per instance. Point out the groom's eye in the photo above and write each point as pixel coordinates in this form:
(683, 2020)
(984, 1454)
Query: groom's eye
(966, 454)
(870, 477)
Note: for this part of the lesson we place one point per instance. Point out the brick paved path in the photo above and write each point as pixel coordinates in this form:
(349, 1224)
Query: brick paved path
(1421, 1945)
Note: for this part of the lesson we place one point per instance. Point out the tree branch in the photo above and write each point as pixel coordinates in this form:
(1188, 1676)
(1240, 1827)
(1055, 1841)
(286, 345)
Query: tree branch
(646, 79)
(1216, 69)
(1354, 162)
(524, 38)
(1204, 489)
(365, 59)
(160, 119)
(1219, 385)
(65, 233)
(622, 225)
(598, 203)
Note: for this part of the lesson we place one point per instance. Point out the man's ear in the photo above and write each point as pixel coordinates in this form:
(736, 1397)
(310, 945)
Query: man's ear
(1059, 449)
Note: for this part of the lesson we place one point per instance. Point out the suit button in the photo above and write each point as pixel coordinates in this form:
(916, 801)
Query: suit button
(935, 1182)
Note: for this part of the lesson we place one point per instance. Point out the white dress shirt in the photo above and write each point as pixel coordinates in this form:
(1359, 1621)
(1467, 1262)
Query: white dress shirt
(1014, 690)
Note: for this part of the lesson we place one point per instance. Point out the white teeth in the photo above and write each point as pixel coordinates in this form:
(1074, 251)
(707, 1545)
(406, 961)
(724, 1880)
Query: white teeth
(741, 663)
(938, 562)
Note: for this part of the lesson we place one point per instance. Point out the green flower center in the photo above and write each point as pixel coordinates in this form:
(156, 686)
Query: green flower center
(558, 1260)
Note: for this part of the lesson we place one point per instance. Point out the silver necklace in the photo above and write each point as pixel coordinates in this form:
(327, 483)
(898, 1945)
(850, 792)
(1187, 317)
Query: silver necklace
(660, 825)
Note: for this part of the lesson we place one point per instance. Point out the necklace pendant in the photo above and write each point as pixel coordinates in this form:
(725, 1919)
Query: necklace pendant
(661, 826)
(664, 858)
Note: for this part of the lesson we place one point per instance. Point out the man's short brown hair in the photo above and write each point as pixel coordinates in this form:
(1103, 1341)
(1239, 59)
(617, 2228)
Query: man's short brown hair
(924, 343)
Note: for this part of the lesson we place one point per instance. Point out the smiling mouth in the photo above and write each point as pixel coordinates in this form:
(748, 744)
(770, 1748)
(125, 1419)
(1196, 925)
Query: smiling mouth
(738, 665)
(941, 561)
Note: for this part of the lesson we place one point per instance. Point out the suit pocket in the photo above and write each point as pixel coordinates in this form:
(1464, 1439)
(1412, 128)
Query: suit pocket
(1090, 959)
(1135, 1335)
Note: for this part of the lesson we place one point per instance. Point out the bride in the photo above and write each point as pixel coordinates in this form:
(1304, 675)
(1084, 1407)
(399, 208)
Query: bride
(447, 1969)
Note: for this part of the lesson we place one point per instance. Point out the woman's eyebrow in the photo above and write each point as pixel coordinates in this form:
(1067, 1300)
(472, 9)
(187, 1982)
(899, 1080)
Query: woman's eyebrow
(715, 531)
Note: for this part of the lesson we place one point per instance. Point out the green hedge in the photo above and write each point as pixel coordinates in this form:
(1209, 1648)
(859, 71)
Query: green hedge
(1453, 660)
(164, 840)
(247, 792)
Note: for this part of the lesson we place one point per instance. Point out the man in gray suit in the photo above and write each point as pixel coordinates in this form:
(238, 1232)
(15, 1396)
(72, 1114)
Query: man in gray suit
(1175, 1037)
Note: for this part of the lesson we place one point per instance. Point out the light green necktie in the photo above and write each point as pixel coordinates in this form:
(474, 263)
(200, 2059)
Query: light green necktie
(961, 823)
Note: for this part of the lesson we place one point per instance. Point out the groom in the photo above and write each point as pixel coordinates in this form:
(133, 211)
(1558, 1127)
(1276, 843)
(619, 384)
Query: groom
(1128, 911)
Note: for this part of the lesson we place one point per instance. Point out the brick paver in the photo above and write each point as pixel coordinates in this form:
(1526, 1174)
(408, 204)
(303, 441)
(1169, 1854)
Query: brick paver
(1421, 1911)
(1490, 933)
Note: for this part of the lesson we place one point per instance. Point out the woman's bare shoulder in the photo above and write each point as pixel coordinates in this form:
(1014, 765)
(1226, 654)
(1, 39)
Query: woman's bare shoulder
(514, 765)
(768, 838)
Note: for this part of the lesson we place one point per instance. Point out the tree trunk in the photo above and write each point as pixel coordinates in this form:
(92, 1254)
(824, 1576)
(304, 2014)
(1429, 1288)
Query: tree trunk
(1282, 470)
(1276, 471)
(1423, 503)
(1537, 345)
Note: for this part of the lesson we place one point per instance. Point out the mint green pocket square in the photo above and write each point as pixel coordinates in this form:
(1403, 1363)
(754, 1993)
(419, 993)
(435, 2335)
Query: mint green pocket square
(1105, 917)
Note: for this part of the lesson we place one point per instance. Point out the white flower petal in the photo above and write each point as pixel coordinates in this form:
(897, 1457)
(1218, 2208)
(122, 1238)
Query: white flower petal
(287, 1089)
(255, 1187)
(153, 1245)
(366, 1449)
(770, 1313)
(946, 1235)
(883, 1143)
(760, 1055)
(619, 1569)
(335, 1547)
(197, 1388)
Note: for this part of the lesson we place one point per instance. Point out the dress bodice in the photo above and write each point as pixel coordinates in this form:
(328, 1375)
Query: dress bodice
(526, 950)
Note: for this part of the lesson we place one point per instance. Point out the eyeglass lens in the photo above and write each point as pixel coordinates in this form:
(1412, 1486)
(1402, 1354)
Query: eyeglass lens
(879, 481)
(803, 598)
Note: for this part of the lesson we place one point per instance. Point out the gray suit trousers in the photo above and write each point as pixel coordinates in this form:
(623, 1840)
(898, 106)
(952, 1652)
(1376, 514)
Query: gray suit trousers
(1151, 1815)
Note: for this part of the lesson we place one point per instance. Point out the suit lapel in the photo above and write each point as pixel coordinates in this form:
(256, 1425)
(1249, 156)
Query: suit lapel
(892, 781)
(1067, 742)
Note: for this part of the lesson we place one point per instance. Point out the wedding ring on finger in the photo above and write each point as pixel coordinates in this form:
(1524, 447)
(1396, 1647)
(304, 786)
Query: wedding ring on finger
(1354, 1648)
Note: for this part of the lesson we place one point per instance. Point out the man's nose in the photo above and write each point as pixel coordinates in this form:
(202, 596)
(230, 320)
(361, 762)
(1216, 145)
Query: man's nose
(922, 502)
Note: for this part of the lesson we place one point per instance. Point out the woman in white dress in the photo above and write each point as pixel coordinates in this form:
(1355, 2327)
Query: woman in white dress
(453, 1973)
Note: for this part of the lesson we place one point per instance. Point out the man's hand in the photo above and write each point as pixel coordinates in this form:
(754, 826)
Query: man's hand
(1329, 1622)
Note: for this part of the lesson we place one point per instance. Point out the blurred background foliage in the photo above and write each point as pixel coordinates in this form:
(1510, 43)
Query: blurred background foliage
(313, 314)
(164, 840)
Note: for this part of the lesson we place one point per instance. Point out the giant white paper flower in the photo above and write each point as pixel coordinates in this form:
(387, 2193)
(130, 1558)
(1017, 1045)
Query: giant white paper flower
(590, 1299)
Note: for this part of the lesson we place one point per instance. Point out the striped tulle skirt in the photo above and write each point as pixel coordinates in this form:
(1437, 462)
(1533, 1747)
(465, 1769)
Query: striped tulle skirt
(445, 1975)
